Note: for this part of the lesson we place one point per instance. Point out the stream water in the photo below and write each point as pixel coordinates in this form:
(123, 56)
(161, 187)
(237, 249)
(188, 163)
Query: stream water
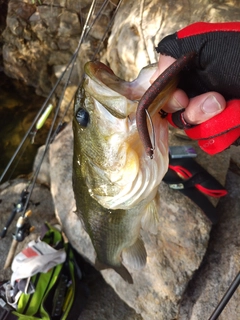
(18, 107)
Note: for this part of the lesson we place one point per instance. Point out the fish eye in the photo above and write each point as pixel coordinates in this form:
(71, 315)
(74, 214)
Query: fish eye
(82, 117)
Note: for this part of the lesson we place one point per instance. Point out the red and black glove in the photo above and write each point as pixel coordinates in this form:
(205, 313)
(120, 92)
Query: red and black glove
(216, 67)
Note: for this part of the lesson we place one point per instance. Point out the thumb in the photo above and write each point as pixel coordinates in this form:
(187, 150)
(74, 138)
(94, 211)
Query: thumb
(204, 107)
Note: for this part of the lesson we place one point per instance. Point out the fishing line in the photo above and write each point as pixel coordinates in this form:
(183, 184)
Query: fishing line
(107, 29)
(42, 112)
(72, 60)
(48, 140)
(97, 16)
(60, 122)
(88, 28)
(35, 120)
(18, 160)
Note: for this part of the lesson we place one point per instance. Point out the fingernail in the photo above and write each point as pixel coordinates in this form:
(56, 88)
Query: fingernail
(211, 105)
(175, 104)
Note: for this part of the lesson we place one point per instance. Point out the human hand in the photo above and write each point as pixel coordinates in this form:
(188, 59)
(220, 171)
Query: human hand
(208, 89)
(197, 109)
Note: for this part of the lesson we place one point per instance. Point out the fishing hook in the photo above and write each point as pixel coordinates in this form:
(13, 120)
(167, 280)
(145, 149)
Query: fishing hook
(152, 129)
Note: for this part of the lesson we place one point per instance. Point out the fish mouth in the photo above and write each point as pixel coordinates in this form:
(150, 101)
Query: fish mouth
(120, 175)
(132, 90)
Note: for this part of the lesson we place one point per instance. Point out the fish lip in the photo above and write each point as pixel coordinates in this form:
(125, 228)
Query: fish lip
(104, 76)
(92, 67)
(132, 90)
(111, 91)
(101, 73)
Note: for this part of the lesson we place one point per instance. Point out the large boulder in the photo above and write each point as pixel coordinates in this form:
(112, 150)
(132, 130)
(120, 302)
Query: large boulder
(140, 25)
(174, 254)
(221, 264)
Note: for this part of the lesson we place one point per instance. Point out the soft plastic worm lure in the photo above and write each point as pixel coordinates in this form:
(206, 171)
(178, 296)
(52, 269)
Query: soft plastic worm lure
(153, 91)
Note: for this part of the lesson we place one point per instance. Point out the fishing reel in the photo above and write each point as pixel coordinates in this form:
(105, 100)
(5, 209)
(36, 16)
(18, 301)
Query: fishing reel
(23, 227)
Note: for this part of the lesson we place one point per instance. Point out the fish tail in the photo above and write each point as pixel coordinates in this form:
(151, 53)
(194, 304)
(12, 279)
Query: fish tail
(121, 270)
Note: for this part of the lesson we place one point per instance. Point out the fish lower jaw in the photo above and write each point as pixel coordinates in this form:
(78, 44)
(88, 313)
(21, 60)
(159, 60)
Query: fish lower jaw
(143, 188)
(118, 203)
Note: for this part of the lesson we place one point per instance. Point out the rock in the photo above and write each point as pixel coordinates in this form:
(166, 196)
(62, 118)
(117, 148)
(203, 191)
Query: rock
(42, 161)
(140, 25)
(42, 35)
(174, 254)
(235, 155)
(103, 303)
(63, 193)
(221, 264)
(69, 25)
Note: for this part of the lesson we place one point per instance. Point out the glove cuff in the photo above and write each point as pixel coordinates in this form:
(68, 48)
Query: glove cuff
(216, 134)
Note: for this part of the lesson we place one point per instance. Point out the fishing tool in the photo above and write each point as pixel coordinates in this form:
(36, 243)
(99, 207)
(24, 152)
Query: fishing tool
(225, 299)
(150, 95)
(45, 281)
(188, 177)
(41, 121)
(23, 229)
(17, 208)
(23, 224)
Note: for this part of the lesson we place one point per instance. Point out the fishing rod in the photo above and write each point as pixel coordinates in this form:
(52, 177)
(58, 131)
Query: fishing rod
(225, 299)
(58, 106)
(34, 121)
(72, 61)
(17, 208)
(40, 121)
(23, 225)
(107, 29)
(104, 4)
(21, 203)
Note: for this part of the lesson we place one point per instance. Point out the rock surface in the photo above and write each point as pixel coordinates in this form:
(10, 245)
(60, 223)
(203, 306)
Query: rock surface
(221, 264)
(140, 25)
(41, 36)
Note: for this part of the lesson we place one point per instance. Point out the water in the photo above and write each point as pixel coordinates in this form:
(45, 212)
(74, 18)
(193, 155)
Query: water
(18, 107)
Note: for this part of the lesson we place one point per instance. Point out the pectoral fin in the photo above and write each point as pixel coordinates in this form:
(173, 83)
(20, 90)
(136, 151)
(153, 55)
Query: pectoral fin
(150, 219)
(135, 256)
(121, 270)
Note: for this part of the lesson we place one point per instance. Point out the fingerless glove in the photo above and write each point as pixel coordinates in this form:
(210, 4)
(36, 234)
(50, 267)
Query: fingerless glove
(216, 67)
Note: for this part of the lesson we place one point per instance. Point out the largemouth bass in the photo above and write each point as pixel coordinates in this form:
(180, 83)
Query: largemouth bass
(115, 183)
